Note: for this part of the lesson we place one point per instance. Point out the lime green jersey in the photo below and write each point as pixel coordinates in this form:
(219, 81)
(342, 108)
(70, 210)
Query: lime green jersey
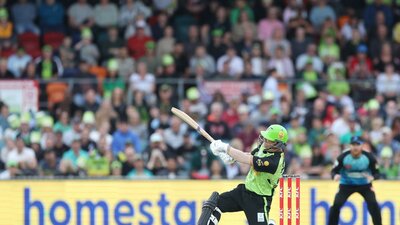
(264, 175)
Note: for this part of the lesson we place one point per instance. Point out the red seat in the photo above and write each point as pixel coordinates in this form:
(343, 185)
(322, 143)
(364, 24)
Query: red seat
(30, 42)
(54, 39)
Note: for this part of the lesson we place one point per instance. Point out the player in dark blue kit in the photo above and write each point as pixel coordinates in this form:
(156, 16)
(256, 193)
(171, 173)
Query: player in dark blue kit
(355, 169)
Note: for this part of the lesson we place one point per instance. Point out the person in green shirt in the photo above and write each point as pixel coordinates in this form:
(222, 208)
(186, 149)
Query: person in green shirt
(254, 197)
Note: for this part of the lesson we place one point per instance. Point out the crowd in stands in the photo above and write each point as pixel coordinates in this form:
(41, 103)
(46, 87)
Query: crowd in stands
(328, 70)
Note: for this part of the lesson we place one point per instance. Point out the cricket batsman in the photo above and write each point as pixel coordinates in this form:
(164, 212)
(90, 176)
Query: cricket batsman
(355, 169)
(254, 197)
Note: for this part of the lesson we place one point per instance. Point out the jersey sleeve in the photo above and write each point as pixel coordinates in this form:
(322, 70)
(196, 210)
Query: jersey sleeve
(267, 164)
(373, 166)
(338, 165)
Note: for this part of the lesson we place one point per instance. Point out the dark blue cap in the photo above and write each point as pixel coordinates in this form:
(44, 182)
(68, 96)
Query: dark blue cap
(362, 48)
(356, 140)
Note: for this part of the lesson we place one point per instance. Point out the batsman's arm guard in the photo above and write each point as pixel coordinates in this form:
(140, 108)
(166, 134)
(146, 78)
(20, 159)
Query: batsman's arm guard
(210, 214)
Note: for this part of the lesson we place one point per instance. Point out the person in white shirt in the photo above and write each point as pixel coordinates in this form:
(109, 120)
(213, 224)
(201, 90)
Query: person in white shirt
(388, 83)
(235, 63)
(142, 80)
(17, 62)
(105, 14)
(311, 54)
(130, 10)
(25, 157)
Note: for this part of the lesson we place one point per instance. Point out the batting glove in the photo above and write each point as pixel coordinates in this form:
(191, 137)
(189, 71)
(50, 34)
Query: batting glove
(227, 159)
(218, 146)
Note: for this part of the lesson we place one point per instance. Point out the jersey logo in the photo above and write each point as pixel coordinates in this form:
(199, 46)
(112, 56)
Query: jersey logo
(260, 217)
(347, 166)
(266, 163)
(259, 162)
(280, 135)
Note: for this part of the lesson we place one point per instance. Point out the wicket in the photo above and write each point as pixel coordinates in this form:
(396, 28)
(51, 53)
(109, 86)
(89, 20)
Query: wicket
(289, 179)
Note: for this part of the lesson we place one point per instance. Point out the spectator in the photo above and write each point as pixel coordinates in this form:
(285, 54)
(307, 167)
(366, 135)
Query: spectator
(316, 134)
(299, 44)
(127, 159)
(159, 28)
(267, 26)
(154, 64)
(137, 43)
(4, 72)
(59, 146)
(320, 12)
(105, 15)
(24, 13)
(86, 49)
(140, 171)
(142, 80)
(118, 103)
(215, 126)
(67, 53)
(243, 24)
(311, 53)
(130, 10)
(165, 44)
(201, 57)
(277, 40)
(80, 14)
(49, 166)
(166, 98)
(240, 6)
(192, 41)
(87, 144)
(216, 170)
(6, 26)
(24, 157)
(292, 10)
(124, 135)
(217, 48)
(388, 83)
(110, 46)
(132, 28)
(51, 17)
(8, 147)
(197, 107)
(17, 62)
(185, 153)
(282, 63)
(351, 46)
(126, 65)
(113, 81)
(388, 142)
(157, 163)
(359, 61)
(97, 164)
(371, 11)
(248, 135)
(174, 134)
(29, 71)
(106, 113)
(234, 63)
(385, 57)
(48, 66)
(328, 50)
(73, 161)
(221, 21)
(201, 164)
(136, 125)
(353, 23)
(380, 38)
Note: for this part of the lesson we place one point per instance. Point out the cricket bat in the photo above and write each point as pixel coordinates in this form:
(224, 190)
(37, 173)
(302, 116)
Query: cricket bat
(185, 117)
